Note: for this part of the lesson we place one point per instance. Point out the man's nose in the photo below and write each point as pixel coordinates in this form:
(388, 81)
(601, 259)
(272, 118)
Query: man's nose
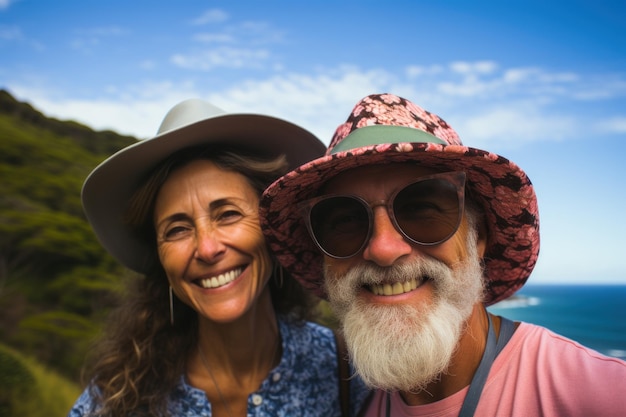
(386, 244)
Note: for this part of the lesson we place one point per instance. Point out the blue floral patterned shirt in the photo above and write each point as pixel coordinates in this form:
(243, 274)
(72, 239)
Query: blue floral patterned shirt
(304, 384)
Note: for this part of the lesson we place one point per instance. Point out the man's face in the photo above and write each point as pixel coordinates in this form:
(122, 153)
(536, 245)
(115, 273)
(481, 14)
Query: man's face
(402, 305)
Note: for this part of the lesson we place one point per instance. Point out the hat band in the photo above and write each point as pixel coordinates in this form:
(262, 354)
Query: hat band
(379, 134)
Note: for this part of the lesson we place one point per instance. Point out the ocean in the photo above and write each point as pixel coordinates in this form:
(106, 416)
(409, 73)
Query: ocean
(593, 315)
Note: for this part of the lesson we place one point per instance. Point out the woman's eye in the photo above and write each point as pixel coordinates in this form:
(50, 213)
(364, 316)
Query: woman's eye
(229, 216)
(175, 232)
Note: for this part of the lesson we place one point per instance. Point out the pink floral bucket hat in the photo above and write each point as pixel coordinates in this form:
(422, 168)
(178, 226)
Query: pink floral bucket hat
(385, 129)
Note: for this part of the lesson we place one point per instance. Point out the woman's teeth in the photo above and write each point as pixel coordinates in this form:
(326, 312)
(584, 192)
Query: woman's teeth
(395, 288)
(222, 279)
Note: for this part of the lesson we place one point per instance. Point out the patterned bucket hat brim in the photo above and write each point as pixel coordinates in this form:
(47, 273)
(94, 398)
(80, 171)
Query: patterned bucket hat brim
(387, 129)
(108, 189)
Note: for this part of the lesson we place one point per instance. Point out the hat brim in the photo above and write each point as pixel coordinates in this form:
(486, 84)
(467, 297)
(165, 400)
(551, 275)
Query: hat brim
(110, 186)
(499, 186)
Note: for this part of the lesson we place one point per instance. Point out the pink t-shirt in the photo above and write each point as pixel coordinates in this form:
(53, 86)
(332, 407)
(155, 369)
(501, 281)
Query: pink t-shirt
(538, 373)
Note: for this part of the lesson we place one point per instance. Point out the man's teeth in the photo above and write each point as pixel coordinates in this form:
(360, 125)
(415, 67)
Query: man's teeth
(395, 288)
(221, 279)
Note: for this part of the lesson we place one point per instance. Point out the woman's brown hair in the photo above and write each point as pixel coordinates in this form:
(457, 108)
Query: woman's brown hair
(141, 356)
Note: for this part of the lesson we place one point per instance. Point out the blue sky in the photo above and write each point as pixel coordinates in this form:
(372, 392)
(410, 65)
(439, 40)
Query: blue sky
(542, 83)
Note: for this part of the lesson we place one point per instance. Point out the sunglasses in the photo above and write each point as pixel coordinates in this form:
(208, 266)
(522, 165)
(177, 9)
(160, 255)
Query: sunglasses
(427, 211)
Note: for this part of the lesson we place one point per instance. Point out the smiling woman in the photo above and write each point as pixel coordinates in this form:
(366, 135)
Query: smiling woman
(209, 240)
(213, 326)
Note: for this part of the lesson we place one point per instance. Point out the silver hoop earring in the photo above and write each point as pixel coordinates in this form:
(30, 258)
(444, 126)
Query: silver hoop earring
(171, 306)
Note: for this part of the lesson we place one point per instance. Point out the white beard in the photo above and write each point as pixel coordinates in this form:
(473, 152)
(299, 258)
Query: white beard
(406, 347)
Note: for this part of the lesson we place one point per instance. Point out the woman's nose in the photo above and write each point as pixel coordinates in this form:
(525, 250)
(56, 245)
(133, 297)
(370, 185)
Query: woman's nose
(209, 245)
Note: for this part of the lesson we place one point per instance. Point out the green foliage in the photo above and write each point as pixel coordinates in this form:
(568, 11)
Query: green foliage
(16, 384)
(28, 389)
(55, 239)
(56, 281)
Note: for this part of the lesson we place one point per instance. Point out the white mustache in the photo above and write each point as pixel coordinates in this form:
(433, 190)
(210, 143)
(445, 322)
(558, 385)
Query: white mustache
(406, 346)
(367, 274)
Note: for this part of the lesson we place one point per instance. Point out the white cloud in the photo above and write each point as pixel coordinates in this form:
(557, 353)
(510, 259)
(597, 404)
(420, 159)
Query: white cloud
(244, 45)
(222, 57)
(613, 125)
(135, 110)
(512, 126)
(477, 67)
(493, 109)
(483, 80)
(14, 34)
(87, 40)
(4, 4)
(210, 16)
(245, 33)
(214, 38)
(415, 71)
(317, 102)
(601, 87)
(258, 33)
(519, 75)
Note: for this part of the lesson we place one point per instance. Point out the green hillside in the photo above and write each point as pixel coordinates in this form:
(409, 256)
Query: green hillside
(28, 389)
(56, 281)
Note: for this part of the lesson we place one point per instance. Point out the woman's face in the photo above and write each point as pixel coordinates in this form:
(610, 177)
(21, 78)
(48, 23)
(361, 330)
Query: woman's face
(209, 240)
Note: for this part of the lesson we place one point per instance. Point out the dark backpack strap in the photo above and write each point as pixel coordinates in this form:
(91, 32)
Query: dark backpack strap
(343, 373)
(507, 328)
(494, 345)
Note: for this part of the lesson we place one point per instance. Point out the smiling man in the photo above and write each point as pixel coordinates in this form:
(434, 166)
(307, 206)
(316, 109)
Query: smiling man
(410, 235)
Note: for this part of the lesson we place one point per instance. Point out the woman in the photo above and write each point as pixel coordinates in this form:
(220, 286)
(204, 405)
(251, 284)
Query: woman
(213, 326)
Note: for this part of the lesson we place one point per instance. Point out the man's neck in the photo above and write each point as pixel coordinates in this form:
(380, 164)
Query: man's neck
(464, 362)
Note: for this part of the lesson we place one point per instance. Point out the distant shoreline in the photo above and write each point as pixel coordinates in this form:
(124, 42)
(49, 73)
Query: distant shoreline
(517, 300)
(590, 314)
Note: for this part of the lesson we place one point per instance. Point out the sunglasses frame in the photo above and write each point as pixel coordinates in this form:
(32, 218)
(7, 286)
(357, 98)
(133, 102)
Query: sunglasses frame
(456, 178)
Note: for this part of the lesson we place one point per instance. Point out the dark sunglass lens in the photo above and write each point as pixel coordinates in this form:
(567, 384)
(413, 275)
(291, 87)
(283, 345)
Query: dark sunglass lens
(428, 211)
(340, 225)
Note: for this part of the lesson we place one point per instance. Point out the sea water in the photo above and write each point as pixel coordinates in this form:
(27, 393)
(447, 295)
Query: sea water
(593, 315)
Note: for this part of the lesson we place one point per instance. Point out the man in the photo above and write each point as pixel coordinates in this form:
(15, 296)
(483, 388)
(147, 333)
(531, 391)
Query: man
(414, 235)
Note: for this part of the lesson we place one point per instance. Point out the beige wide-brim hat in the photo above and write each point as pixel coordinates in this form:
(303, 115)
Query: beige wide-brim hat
(108, 189)
(387, 129)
